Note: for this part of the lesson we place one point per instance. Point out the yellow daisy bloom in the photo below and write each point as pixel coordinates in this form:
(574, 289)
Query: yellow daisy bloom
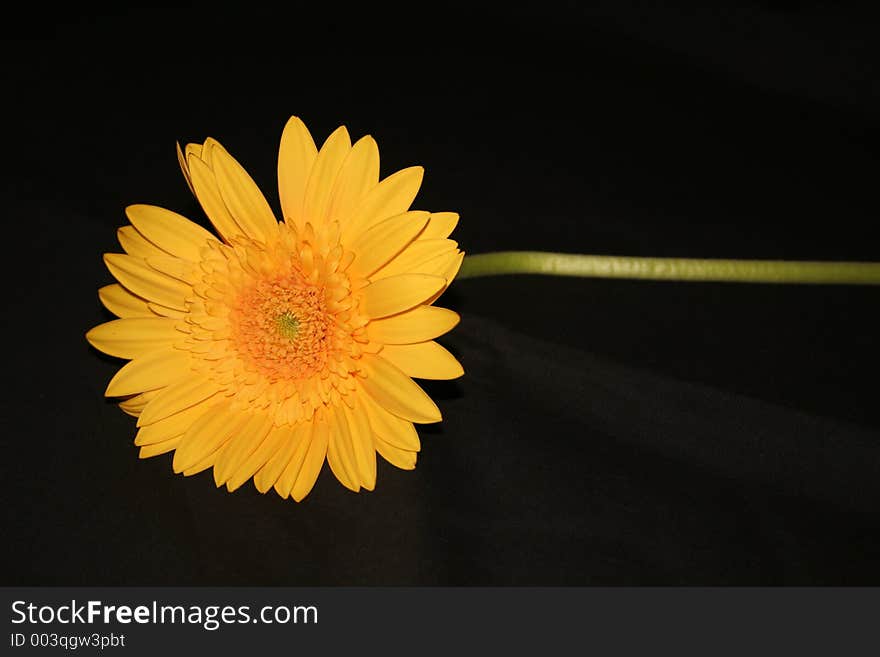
(265, 350)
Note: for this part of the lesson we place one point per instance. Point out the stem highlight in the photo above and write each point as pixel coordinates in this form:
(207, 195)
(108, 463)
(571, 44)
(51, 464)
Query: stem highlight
(670, 269)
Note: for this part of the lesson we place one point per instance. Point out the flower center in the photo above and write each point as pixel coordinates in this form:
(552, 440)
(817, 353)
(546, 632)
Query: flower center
(281, 327)
(277, 324)
(288, 325)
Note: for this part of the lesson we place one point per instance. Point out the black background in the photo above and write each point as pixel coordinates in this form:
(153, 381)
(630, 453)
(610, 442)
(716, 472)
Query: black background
(605, 432)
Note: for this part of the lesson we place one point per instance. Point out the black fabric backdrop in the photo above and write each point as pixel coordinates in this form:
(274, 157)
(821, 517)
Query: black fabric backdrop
(605, 432)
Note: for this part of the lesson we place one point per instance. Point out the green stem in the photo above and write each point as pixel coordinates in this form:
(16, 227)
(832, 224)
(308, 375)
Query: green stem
(670, 269)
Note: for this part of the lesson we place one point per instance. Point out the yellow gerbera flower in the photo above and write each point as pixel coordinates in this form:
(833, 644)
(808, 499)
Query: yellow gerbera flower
(279, 344)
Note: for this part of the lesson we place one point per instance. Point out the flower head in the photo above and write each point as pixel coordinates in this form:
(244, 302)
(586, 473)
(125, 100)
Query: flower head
(273, 346)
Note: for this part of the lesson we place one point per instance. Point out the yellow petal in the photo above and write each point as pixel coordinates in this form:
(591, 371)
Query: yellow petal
(241, 446)
(289, 436)
(206, 462)
(440, 265)
(206, 435)
(177, 397)
(440, 225)
(134, 406)
(396, 294)
(173, 425)
(170, 231)
(146, 282)
(340, 454)
(323, 176)
(376, 246)
(192, 149)
(155, 449)
(153, 370)
(123, 303)
(358, 175)
(389, 198)
(413, 258)
(392, 429)
(133, 336)
(397, 457)
(452, 270)
(207, 152)
(301, 439)
(296, 156)
(182, 270)
(258, 458)
(184, 169)
(449, 267)
(416, 325)
(396, 392)
(314, 460)
(208, 194)
(362, 444)
(165, 311)
(423, 360)
(242, 197)
(135, 244)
